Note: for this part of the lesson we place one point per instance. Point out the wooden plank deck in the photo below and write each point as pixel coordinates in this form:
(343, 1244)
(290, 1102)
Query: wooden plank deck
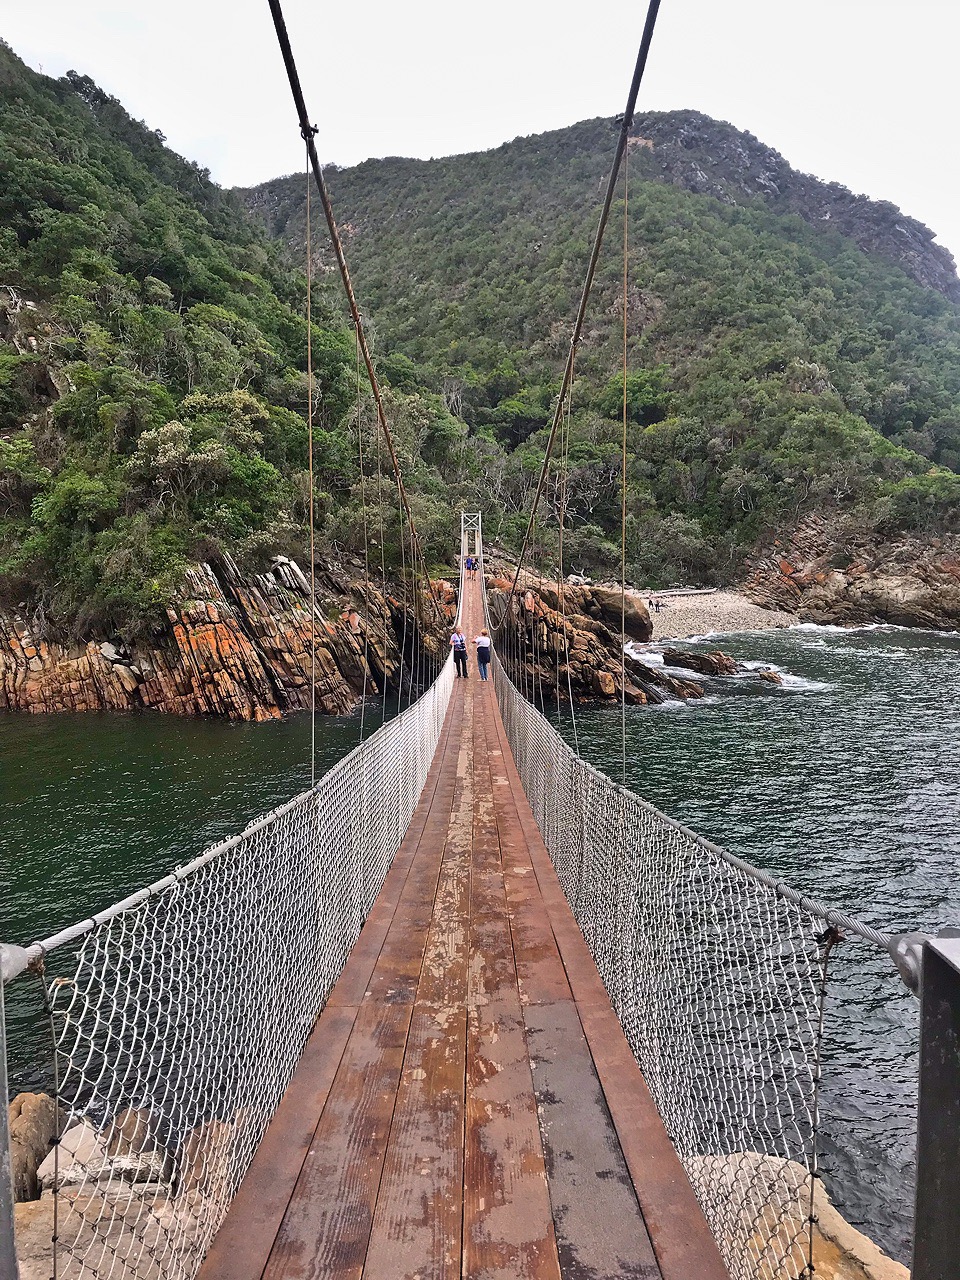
(466, 1104)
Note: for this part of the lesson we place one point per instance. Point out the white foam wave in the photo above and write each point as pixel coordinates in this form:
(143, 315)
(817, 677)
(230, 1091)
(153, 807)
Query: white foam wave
(802, 684)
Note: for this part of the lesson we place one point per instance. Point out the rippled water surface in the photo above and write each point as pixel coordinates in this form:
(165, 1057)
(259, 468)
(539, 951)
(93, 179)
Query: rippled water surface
(93, 808)
(846, 782)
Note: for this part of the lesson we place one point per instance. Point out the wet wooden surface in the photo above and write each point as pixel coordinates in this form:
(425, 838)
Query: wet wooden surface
(467, 1104)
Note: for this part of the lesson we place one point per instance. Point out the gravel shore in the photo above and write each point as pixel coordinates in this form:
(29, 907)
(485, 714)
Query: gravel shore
(684, 616)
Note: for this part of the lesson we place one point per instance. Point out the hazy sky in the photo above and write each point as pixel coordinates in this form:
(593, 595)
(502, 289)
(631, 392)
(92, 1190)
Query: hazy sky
(857, 91)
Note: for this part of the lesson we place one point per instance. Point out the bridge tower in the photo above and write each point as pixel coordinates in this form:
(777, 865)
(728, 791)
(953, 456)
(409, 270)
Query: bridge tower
(471, 534)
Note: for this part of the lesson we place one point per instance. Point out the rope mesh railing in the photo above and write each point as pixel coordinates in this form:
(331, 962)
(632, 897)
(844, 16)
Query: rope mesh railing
(179, 1016)
(717, 974)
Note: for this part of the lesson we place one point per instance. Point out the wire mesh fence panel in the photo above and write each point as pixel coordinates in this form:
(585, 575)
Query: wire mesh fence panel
(180, 1019)
(716, 979)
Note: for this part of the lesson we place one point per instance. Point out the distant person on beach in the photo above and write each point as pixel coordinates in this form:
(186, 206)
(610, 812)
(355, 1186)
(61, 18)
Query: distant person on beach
(483, 652)
(458, 643)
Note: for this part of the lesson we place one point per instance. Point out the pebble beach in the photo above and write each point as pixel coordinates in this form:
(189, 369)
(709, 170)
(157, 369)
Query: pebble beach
(683, 616)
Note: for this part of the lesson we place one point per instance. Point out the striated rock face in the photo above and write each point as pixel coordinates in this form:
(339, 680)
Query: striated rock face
(828, 573)
(570, 642)
(690, 150)
(33, 1124)
(237, 646)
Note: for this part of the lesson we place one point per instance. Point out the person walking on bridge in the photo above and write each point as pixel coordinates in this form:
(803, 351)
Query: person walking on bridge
(458, 643)
(483, 652)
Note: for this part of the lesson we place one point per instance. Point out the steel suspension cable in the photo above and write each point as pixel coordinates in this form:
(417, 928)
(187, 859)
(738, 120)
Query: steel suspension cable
(308, 133)
(313, 557)
(627, 120)
(564, 478)
(623, 490)
(366, 551)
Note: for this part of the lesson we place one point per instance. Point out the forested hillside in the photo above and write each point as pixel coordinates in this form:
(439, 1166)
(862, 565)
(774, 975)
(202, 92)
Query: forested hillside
(152, 386)
(153, 347)
(777, 367)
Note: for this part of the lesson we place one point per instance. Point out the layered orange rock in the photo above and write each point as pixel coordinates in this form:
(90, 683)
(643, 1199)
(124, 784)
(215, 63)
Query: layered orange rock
(237, 646)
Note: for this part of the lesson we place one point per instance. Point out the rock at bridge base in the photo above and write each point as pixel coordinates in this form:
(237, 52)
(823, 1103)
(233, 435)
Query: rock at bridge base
(765, 1190)
(136, 1227)
(33, 1122)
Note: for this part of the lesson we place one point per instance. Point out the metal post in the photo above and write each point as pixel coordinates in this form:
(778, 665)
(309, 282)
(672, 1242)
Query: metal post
(936, 1246)
(8, 1249)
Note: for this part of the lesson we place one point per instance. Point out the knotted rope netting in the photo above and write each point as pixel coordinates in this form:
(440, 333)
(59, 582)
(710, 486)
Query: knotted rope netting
(179, 1015)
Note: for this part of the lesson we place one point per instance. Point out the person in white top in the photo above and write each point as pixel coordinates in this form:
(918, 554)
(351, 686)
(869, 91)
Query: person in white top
(483, 652)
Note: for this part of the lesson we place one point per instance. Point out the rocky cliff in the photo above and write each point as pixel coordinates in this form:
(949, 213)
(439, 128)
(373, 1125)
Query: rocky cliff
(828, 571)
(238, 646)
(565, 642)
(697, 153)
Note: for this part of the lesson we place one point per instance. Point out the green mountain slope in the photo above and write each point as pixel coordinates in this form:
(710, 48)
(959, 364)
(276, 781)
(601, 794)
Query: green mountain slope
(778, 365)
(152, 384)
(152, 356)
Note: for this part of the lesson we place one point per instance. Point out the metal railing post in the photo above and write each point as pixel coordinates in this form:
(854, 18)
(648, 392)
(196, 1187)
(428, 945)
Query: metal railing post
(8, 1249)
(936, 1248)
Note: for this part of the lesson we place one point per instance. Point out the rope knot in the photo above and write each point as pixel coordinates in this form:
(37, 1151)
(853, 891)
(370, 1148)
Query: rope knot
(308, 131)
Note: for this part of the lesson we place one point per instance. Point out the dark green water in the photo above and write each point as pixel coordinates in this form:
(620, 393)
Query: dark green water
(96, 807)
(846, 782)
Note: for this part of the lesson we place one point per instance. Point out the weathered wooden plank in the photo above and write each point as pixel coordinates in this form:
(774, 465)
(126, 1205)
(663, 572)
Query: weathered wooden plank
(326, 1229)
(507, 1219)
(681, 1239)
(418, 1218)
(600, 1230)
(247, 1235)
(242, 1245)
(327, 1224)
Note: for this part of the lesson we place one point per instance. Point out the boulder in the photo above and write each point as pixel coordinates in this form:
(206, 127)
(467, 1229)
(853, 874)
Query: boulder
(81, 1156)
(136, 1231)
(706, 664)
(768, 1192)
(33, 1126)
(636, 619)
(204, 1160)
(604, 684)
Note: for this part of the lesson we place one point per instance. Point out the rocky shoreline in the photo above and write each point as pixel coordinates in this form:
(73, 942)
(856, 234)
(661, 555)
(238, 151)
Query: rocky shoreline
(830, 572)
(565, 642)
(684, 616)
(238, 646)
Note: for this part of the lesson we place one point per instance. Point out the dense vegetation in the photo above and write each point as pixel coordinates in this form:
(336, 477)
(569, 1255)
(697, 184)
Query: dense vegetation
(152, 357)
(153, 346)
(776, 367)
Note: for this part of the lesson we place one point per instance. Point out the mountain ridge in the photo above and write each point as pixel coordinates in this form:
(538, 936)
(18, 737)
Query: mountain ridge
(705, 156)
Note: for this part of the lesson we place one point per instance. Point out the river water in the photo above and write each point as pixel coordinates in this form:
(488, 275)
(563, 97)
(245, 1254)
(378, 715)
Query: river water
(845, 781)
(95, 807)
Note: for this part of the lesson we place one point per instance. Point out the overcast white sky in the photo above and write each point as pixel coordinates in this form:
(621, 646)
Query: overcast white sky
(858, 91)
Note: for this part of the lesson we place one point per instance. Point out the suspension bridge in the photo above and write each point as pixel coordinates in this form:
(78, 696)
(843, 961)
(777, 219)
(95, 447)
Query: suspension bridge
(466, 1007)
